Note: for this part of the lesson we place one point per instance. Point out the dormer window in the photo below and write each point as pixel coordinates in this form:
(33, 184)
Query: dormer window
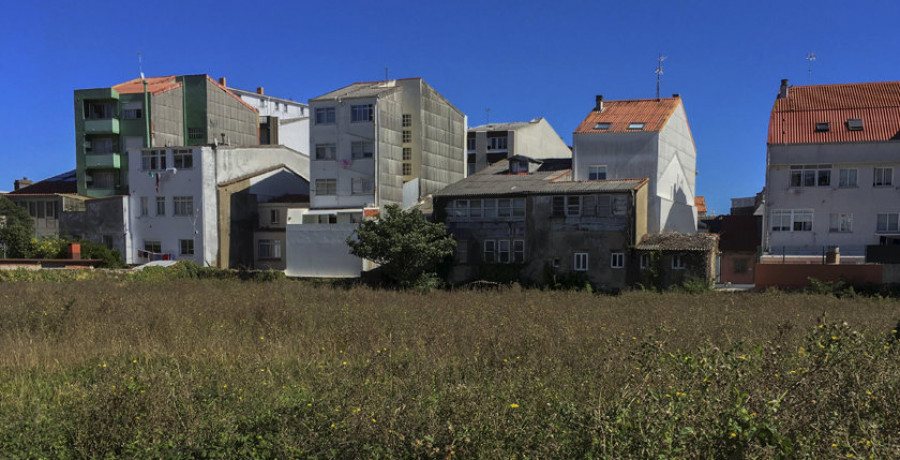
(854, 124)
(823, 127)
(518, 166)
(636, 126)
(602, 126)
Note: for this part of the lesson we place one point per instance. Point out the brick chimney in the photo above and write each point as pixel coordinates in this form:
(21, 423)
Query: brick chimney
(259, 90)
(782, 92)
(222, 82)
(22, 183)
(598, 106)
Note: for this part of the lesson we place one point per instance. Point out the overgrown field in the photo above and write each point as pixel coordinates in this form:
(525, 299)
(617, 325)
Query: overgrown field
(224, 369)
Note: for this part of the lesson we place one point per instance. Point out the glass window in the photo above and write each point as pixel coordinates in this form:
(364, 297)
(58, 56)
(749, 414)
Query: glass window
(645, 261)
(597, 172)
(153, 160)
(326, 151)
(787, 220)
(362, 149)
(407, 120)
(274, 216)
(677, 262)
(490, 208)
(160, 206)
(145, 206)
(617, 260)
(325, 116)
(489, 251)
(841, 223)
(361, 113)
(407, 136)
(847, 178)
(326, 186)
(519, 251)
(636, 125)
(407, 169)
(581, 261)
(573, 205)
(184, 205)
(183, 158)
(883, 177)
(187, 247)
(888, 222)
(503, 251)
(362, 185)
(407, 154)
(195, 133)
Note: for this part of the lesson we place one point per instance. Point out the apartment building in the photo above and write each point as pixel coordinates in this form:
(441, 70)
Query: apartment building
(831, 159)
(643, 138)
(281, 121)
(490, 143)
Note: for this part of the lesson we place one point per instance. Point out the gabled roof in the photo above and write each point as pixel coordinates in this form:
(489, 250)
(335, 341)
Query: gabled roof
(61, 184)
(795, 116)
(510, 126)
(362, 89)
(553, 176)
(678, 242)
(654, 113)
(155, 85)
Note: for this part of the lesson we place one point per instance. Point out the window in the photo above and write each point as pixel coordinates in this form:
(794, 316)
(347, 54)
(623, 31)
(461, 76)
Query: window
(519, 251)
(518, 207)
(186, 247)
(604, 205)
(470, 143)
(269, 249)
(883, 177)
(645, 261)
(741, 265)
(489, 251)
(407, 169)
(407, 136)
(462, 251)
(581, 261)
(602, 126)
(108, 241)
(573, 205)
(791, 220)
(841, 223)
(153, 160)
(497, 143)
(597, 172)
(105, 180)
(362, 149)
(847, 178)
(504, 207)
(325, 116)
(145, 206)
(810, 175)
(152, 246)
(888, 222)
(361, 185)
(274, 216)
(636, 126)
(854, 124)
(617, 260)
(132, 113)
(554, 262)
(160, 206)
(475, 208)
(184, 205)
(99, 145)
(677, 262)
(183, 158)
(361, 113)
(503, 251)
(823, 127)
(326, 151)
(97, 110)
(195, 133)
(407, 120)
(490, 208)
(407, 154)
(326, 186)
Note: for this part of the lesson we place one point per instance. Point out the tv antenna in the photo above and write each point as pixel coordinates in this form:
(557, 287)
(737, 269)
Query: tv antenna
(385, 74)
(810, 57)
(140, 64)
(659, 72)
(487, 116)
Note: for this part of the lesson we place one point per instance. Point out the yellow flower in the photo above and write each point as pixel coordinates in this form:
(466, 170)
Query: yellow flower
(733, 434)
(344, 363)
(514, 406)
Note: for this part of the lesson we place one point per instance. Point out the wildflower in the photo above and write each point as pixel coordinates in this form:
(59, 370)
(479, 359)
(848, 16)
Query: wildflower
(344, 363)
(834, 337)
(134, 361)
(308, 404)
(742, 357)
(833, 445)
(514, 406)
(733, 434)
(373, 420)
(262, 338)
(104, 365)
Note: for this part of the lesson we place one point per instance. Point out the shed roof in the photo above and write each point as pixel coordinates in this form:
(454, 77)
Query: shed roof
(64, 183)
(794, 117)
(678, 242)
(653, 113)
(552, 176)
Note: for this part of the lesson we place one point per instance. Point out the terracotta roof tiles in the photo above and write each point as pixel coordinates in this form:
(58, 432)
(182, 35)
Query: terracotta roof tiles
(155, 85)
(654, 113)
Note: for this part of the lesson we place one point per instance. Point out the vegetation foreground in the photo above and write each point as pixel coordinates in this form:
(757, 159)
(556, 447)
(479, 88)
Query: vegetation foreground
(225, 368)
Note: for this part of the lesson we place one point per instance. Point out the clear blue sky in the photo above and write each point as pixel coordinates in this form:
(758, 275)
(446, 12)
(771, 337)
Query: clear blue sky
(521, 59)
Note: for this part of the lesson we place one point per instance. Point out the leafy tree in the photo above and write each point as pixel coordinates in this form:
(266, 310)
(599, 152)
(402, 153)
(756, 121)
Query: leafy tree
(16, 229)
(405, 245)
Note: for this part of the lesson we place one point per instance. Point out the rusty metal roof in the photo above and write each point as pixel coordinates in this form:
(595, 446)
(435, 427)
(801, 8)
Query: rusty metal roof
(795, 117)
(653, 113)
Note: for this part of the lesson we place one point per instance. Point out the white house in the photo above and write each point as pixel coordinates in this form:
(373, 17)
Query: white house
(281, 121)
(490, 143)
(832, 151)
(640, 138)
(199, 203)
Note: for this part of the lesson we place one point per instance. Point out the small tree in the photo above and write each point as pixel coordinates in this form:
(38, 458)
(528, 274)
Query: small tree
(403, 243)
(16, 229)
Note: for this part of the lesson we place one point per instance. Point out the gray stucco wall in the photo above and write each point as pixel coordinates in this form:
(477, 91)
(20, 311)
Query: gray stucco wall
(167, 117)
(229, 115)
(443, 143)
(101, 217)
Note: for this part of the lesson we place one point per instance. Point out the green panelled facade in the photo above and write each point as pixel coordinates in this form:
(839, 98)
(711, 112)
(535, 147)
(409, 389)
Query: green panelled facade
(107, 124)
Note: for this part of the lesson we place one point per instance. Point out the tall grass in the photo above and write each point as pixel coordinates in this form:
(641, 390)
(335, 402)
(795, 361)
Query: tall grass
(220, 368)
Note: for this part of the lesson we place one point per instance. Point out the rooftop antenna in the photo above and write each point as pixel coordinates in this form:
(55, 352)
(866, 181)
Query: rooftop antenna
(810, 57)
(140, 64)
(487, 115)
(659, 72)
(385, 74)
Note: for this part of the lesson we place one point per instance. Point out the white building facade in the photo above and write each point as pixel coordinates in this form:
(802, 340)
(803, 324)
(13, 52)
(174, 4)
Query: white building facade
(643, 138)
(281, 121)
(831, 163)
(490, 143)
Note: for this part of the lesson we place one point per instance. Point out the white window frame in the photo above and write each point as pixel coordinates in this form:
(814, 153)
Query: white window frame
(183, 205)
(788, 220)
(490, 252)
(840, 222)
(677, 262)
(182, 158)
(160, 206)
(274, 216)
(810, 175)
(326, 187)
(145, 206)
(362, 149)
(153, 160)
(149, 245)
(645, 261)
(504, 251)
(581, 262)
(597, 172)
(362, 185)
(326, 152)
(848, 177)
(617, 260)
(883, 177)
(887, 222)
(186, 247)
(362, 113)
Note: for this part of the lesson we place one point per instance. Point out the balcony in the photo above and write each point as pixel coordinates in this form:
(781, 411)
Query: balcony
(101, 126)
(102, 161)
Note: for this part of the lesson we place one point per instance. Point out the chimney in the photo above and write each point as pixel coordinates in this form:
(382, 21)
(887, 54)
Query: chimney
(22, 183)
(222, 82)
(599, 104)
(676, 95)
(782, 92)
(259, 90)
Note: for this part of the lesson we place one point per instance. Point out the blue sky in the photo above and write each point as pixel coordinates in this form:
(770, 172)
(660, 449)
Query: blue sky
(522, 59)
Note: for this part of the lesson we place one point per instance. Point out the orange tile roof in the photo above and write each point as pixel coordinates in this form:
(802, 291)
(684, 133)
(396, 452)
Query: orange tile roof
(224, 88)
(155, 85)
(700, 203)
(654, 113)
(793, 119)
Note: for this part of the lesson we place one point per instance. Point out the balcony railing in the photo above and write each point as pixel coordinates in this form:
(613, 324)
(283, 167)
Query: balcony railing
(101, 126)
(102, 160)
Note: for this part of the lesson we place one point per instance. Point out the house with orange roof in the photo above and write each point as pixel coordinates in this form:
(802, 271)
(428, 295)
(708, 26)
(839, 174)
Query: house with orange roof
(184, 110)
(643, 138)
(831, 155)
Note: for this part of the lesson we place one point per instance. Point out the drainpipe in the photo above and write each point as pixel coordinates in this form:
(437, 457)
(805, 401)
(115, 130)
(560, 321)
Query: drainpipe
(377, 155)
(146, 114)
(184, 129)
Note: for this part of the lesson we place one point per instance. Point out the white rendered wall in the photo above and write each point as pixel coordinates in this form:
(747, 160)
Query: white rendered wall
(538, 140)
(237, 162)
(677, 175)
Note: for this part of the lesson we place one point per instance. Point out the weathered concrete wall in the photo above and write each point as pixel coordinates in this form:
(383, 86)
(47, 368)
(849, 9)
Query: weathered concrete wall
(227, 114)
(167, 117)
(100, 217)
(443, 141)
(797, 276)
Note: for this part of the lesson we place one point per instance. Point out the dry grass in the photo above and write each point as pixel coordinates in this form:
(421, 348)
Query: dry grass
(287, 369)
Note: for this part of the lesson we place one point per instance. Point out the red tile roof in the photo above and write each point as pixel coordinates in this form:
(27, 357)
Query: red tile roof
(654, 113)
(155, 85)
(794, 117)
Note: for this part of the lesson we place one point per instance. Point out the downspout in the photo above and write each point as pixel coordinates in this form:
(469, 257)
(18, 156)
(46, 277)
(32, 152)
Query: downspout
(146, 114)
(184, 129)
(377, 154)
